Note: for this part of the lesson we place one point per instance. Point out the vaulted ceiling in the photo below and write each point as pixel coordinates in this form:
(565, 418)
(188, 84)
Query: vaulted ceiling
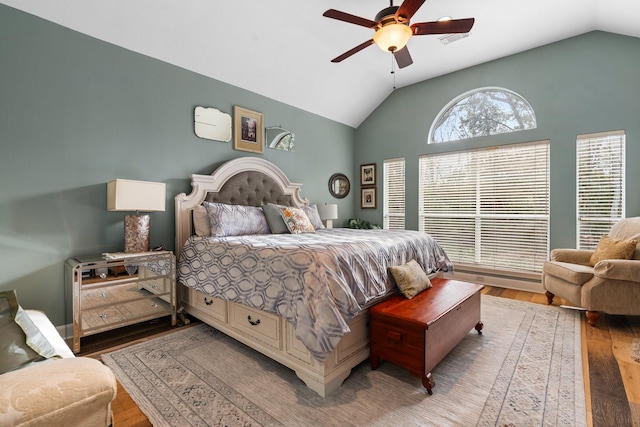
(282, 48)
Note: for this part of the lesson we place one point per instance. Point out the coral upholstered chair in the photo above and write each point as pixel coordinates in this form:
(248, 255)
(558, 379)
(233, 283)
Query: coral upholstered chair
(606, 280)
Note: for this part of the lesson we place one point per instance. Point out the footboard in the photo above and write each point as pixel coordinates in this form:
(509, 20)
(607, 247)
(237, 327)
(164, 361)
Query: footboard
(274, 337)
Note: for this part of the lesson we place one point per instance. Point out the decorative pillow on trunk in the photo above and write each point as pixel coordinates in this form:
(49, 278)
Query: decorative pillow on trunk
(410, 278)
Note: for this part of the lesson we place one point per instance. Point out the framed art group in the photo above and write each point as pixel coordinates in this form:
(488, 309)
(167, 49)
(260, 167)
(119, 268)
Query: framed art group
(368, 186)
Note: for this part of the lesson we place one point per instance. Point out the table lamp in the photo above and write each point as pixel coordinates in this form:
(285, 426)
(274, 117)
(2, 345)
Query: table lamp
(328, 213)
(138, 196)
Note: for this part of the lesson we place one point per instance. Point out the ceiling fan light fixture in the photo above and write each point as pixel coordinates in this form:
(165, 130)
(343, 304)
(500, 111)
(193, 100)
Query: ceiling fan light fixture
(392, 37)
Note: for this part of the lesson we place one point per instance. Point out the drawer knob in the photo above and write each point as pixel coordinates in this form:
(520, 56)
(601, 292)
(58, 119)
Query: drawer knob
(257, 322)
(208, 302)
(103, 316)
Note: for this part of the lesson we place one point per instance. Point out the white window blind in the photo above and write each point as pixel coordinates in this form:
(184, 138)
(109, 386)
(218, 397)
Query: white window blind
(600, 174)
(393, 201)
(489, 207)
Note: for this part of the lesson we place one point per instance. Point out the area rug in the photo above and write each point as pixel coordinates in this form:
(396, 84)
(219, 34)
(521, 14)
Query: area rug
(525, 369)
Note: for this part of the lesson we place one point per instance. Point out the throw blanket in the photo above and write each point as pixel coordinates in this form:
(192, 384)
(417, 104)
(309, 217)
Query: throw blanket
(316, 281)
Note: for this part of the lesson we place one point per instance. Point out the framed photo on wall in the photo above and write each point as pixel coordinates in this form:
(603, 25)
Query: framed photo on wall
(368, 174)
(368, 198)
(248, 130)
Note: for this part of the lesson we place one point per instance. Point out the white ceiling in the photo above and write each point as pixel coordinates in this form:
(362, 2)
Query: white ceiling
(282, 48)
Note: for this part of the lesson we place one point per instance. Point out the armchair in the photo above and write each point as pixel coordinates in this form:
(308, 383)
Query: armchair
(610, 286)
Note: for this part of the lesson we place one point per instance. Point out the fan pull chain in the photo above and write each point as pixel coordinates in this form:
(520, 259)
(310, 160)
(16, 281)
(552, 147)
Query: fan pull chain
(393, 71)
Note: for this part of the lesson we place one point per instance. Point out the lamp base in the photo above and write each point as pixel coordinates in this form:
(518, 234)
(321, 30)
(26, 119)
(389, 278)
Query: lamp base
(328, 223)
(136, 233)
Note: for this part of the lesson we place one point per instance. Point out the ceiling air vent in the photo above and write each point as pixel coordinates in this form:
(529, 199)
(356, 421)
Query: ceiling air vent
(450, 38)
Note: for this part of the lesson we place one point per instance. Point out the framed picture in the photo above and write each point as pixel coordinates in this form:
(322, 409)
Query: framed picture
(248, 130)
(368, 198)
(368, 174)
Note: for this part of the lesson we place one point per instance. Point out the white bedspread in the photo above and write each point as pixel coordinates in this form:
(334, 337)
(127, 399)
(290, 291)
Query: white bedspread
(317, 281)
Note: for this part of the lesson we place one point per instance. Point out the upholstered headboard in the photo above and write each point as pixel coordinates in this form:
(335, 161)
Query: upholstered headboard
(249, 181)
(250, 188)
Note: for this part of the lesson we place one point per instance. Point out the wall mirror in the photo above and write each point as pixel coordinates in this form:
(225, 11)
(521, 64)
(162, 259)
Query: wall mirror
(279, 138)
(339, 185)
(211, 123)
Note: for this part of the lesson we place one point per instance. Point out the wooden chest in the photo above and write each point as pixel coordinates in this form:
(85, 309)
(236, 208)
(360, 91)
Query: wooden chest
(418, 333)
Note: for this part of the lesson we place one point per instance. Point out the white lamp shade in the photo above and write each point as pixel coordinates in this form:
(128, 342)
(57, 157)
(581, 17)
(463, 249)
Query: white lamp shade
(328, 211)
(129, 195)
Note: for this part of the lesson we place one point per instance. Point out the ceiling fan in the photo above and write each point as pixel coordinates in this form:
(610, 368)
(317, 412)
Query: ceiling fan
(392, 29)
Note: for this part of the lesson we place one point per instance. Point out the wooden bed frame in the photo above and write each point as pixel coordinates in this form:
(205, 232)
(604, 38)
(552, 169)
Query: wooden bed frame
(265, 332)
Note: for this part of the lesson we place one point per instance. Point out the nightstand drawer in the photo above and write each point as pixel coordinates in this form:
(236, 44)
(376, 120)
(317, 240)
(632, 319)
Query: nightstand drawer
(213, 307)
(259, 324)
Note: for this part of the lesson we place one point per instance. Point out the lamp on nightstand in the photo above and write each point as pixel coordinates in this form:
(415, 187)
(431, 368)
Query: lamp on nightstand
(328, 213)
(138, 196)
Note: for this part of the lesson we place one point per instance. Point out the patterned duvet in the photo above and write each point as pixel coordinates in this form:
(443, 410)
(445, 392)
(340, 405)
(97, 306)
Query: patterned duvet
(317, 281)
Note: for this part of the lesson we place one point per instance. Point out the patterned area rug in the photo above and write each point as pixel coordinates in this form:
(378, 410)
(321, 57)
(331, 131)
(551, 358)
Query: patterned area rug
(524, 370)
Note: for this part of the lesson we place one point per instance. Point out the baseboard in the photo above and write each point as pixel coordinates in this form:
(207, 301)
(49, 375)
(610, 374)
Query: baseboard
(497, 280)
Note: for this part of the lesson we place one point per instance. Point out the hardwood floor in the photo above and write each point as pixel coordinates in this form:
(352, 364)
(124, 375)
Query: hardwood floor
(612, 377)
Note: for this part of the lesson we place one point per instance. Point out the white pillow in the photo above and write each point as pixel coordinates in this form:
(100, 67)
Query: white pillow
(35, 338)
(236, 220)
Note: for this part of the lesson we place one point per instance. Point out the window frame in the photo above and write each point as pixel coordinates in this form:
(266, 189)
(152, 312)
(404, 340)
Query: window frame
(388, 213)
(455, 101)
(590, 228)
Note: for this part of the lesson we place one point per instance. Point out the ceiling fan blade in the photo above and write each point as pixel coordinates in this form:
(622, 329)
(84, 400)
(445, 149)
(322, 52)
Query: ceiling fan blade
(443, 27)
(352, 51)
(347, 17)
(407, 9)
(403, 58)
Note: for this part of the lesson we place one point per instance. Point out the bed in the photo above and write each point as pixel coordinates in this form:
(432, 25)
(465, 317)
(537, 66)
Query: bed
(300, 299)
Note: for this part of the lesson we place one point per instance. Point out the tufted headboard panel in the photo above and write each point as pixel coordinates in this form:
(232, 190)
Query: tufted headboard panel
(249, 181)
(250, 188)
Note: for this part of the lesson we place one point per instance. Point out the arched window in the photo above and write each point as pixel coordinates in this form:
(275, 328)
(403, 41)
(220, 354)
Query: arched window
(482, 112)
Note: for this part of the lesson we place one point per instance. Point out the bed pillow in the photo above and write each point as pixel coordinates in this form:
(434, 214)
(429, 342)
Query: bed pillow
(296, 220)
(201, 224)
(314, 216)
(609, 248)
(410, 278)
(274, 218)
(235, 220)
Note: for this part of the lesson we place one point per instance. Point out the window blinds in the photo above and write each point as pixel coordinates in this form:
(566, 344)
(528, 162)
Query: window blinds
(489, 206)
(393, 191)
(600, 174)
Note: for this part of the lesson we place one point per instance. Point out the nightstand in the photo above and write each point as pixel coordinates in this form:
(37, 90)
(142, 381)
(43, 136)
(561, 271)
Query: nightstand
(119, 289)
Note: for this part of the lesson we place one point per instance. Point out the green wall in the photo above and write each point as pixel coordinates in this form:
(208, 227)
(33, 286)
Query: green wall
(76, 112)
(580, 85)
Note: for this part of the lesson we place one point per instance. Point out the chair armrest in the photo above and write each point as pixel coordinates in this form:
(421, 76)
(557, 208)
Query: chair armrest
(618, 269)
(573, 256)
(73, 391)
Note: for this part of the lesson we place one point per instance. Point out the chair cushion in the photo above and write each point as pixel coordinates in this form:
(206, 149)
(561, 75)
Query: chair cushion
(573, 273)
(610, 248)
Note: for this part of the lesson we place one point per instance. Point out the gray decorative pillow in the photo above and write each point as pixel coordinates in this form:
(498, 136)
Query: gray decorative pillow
(274, 218)
(235, 220)
(410, 278)
(314, 216)
(14, 351)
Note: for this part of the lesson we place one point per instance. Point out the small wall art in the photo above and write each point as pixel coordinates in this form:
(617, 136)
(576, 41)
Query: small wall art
(248, 130)
(368, 198)
(368, 174)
